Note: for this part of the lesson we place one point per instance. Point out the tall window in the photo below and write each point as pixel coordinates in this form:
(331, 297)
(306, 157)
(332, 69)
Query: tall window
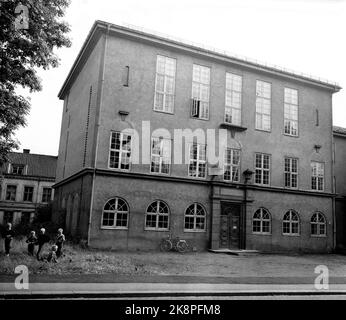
(262, 169)
(157, 216)
(120, 151)
(261, 222)
(28, 194)
(18, 169)
(195, 218)
(198, 160)
(291, 173)
(11, 193)
(263, 105)
(318, 224)
(317, 176)
(233, 99)
(115, 214)
(165, 84)
(160, 155)
(291, 112)
(232, 165)
(200, 92)
(46, 195)
(291, 223)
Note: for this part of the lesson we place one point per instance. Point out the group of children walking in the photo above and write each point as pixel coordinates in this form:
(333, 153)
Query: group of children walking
(40, 241)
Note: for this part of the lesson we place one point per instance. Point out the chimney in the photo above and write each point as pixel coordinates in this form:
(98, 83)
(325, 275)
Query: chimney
(26, 151)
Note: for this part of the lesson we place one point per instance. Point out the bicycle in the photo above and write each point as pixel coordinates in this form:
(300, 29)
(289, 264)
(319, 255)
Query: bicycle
(169, 243)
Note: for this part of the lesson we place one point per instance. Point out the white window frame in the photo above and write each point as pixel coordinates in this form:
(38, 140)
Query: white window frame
(161, 155)
(198, 160)
(203, 105)
(194, 216)
(232, 82)
(291, 222)
(318, 225)
(317, 173)
(261, 220)
(261, 98)
(116, 212)
(157, 214)
(231, 164)
(32, 194)
(15, 193)
(262, 169)
(291, 102)
(43, 194)
(291, 173)
(166, 76)
(121, 151)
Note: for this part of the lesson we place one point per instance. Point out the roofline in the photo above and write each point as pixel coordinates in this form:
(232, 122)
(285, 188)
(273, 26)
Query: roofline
(35, 154)
(197, 48)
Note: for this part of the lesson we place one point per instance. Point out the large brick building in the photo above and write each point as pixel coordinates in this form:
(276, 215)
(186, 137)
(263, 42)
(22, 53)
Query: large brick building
(278, 124)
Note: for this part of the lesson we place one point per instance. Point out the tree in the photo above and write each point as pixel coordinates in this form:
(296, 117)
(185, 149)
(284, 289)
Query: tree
(30, 30)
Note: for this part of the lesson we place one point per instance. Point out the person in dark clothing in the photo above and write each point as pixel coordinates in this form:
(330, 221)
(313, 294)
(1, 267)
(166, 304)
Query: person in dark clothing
(8, 236)
(42, 239)
(31, 241)
(60, 239)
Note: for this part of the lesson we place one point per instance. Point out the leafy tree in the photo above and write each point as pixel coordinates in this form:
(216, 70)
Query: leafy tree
(27, 41)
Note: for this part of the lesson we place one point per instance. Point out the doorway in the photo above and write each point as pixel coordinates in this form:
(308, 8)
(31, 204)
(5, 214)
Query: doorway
(230, 232)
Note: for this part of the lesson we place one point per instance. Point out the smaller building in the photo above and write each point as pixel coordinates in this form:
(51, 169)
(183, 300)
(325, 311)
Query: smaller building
(26, 182)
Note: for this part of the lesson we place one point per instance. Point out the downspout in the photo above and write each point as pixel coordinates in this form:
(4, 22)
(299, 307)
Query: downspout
(103, 65)
(334, 192)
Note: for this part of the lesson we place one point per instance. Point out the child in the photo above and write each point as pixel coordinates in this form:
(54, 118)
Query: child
(41, 240)
(32, 240)
(60, 239)
(8, 236)
(52, 254)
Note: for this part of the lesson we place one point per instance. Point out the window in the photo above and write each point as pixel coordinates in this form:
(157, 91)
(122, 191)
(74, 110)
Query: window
(318, 224)
(262, 169)
(198, 160)
(290, 224)
(291, 112)
(46, 195)
(28, 194)
(232, 165)
(11, 193)
(233, 99)
(261, 222)
(263, 105)
(160, 155)
(18, 169)
(200, 92)
(165, 84)
(157, 216)
(120, 151)
(115, 214)
(291, 173)
(195, 218)
(126, 76)
(317, 176)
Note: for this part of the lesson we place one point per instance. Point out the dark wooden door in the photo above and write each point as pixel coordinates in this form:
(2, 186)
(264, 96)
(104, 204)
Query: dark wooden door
(230, 226)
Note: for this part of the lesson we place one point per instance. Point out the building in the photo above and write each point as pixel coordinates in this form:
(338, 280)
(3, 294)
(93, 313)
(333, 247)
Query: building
(340, 185)
(26, 183)
(274, 191)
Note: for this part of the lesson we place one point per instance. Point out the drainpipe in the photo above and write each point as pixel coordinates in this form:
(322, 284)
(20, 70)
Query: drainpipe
(247, 174)
(98, 131)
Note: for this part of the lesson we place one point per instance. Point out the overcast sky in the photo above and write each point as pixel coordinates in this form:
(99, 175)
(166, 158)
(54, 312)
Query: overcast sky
(307, 36)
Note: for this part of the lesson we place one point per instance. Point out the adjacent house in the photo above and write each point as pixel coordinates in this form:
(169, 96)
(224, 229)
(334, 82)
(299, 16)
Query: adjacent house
(26, 182)
(135, 103)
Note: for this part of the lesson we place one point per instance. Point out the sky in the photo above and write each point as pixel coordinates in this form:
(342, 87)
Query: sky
(303, 35)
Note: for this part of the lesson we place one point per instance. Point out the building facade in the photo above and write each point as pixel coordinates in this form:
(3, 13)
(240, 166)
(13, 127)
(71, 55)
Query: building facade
(340, 186)
(128, 101)
(26, 184)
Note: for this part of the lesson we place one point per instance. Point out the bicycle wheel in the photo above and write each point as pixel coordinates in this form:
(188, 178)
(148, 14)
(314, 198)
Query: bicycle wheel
(166, 245)
(182, 246)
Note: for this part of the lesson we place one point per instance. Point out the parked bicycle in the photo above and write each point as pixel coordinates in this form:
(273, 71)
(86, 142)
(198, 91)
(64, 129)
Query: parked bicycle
(177, 244)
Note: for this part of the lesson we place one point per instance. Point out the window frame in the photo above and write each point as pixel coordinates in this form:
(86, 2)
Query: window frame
(289, 104)
(157, 214)
(195, 216)
(290, 221)
(162, 157)
(317, 176)
(232, 91)
(270, 106)
(120, 151)
(262, 169)
(318, 225)
(198, 161)
(43, 194)
(291, 173)
(15, 192)
(32, 194)
(164, 93)
(115, 227)
(261, 221)
(231, 165)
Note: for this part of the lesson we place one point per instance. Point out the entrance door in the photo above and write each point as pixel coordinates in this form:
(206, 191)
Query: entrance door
(230, 226)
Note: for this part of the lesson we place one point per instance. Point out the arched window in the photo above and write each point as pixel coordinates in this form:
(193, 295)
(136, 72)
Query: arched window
(195, 218)
(261, 222)
(291, 223)
(115, 214)
(157, 216)
(318, 224)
